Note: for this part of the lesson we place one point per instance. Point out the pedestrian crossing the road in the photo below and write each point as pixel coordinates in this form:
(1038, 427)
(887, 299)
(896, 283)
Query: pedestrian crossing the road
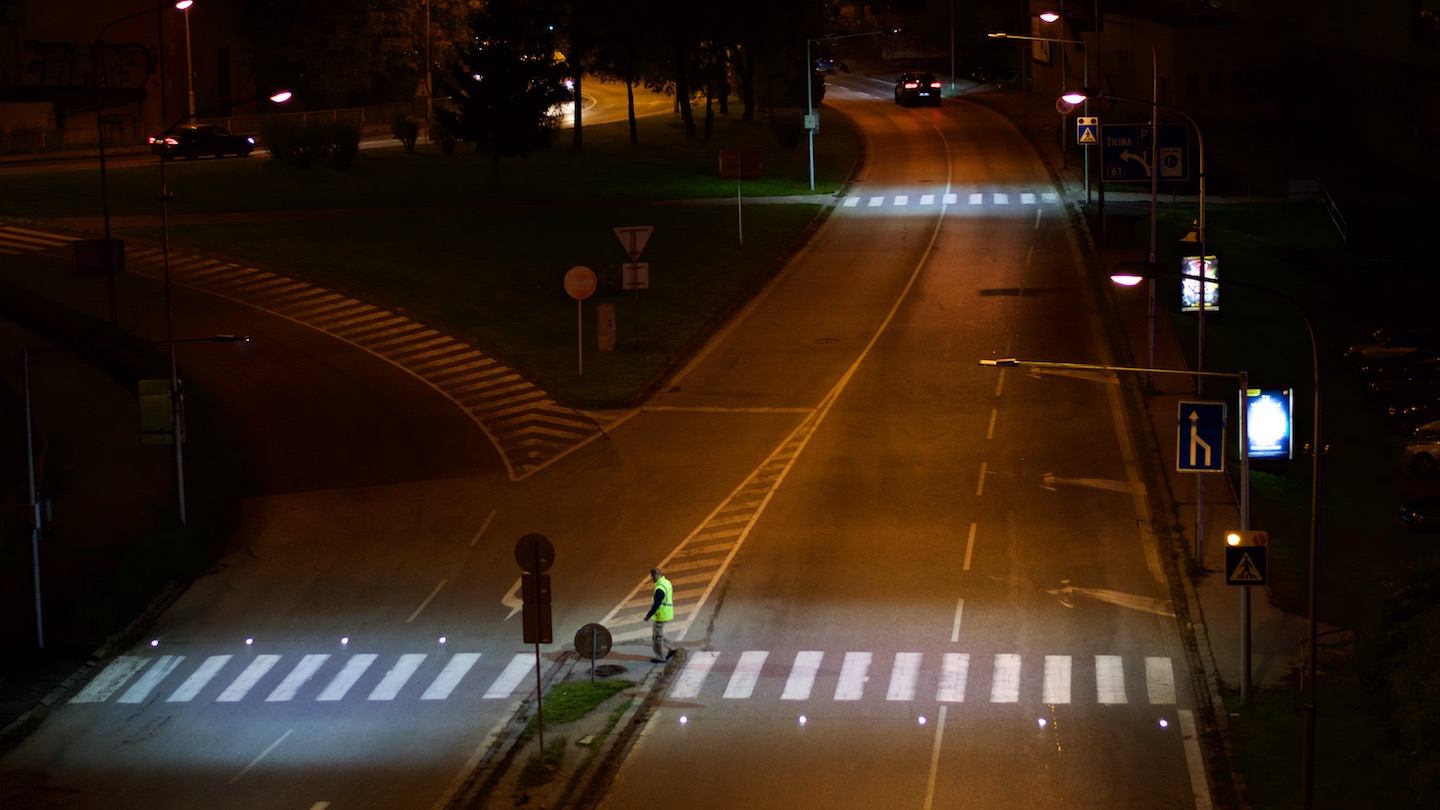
(956, 677)
(963, 199)
(320, 677)
(808, 675)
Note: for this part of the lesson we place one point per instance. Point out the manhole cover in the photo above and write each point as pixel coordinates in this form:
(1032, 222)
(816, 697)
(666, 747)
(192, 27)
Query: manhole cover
(608, 670)
(827, 341)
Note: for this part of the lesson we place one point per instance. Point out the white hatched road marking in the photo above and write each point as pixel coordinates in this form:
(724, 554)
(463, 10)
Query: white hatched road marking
(510, 678)
(954, 671)
(1056, 688)
(903, 675)
(802, 675)
(142, 688)
(110, 679)
(450, 676)
(746, 674)
(1160, 681)
(1109, 679)
(1005, 685)
(297, 678)
(692, 677)
(241, 686)
(397, 677)
(199, 679)
(853, 676)
(347, 676)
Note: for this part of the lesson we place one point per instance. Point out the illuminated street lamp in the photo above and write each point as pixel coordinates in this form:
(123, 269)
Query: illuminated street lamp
(176, 414)
(812, 123)
(1133, 275)
(1053, 16)
(184, 5)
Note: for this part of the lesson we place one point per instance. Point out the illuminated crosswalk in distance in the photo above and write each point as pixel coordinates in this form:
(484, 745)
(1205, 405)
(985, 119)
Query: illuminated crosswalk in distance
(956, 677)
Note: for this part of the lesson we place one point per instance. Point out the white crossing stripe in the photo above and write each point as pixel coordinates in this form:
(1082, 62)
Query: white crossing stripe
(1050, 196)
(903, 675)
(141, 689)
(976, 198)
(1005, 683)
(1160, 681)
(954, 671)
(1056, 687)
(802, 675)
(852, 676)
(347, 676)
(396, 678)
(450, 676)
(252, 674)
(297, 678)
(876, 202)
(851, 202)
(110, 679)
(746, 674)
(1109, 679)
(951, 199)
(1001, 198)
(199, 679)
(927, 199)
(1028, 198)
(697, 667)
(515, 672)
(902, 199)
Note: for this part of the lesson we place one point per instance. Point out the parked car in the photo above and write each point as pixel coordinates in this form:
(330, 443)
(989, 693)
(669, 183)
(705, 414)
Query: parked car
(917, 88)
(1422, 455)
(198, 140)
(1363, 357)
(1421, 514)
(1420, 379)
(1402, 416)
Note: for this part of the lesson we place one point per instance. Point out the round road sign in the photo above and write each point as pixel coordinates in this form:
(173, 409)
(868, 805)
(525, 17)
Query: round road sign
(592, 641)
(580, 282)
(534, 553)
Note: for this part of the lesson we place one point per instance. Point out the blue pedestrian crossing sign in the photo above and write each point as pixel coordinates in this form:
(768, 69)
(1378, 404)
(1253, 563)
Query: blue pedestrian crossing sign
(1245, 565)
(1087, 130)
(1201, 439)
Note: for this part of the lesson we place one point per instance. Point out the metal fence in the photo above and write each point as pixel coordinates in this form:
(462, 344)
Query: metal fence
(135, 133)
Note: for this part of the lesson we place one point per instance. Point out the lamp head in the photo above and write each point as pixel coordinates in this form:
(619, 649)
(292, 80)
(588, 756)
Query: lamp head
(1049, 16)
(1130, 274)
(1080, 95)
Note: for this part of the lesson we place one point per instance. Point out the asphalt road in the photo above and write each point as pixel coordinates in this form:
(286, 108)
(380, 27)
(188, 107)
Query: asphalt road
(938, 556)
(944, 599)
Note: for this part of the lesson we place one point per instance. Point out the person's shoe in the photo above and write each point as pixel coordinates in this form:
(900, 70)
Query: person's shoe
(658, 660)
(670, 655)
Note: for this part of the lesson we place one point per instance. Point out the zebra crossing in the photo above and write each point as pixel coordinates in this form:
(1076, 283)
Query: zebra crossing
(1061, 679)
(318, 677)
(527, 426)
(970, 198)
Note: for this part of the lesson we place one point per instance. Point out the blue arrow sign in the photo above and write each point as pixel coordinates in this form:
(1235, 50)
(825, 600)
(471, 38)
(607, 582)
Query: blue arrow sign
(1129, 152)
(1201, 437)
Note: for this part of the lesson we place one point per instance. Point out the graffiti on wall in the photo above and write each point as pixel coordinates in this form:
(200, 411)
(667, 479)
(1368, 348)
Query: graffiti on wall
(66, 64)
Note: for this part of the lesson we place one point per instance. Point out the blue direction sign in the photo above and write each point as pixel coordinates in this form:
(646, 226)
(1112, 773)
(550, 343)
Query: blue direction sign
(1245, 565)
(1129, 152)
(1201, 437)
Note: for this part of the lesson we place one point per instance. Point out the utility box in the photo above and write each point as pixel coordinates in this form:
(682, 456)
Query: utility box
(606, 317)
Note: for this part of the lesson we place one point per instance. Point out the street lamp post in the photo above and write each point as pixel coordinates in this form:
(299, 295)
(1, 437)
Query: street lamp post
(38, 508)
(176, 413)
(1052, 16)
(811, 121)
(184, 5)
(1317, 451)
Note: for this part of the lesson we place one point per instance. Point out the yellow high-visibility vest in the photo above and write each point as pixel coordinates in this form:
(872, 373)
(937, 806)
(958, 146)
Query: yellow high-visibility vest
(666, 611)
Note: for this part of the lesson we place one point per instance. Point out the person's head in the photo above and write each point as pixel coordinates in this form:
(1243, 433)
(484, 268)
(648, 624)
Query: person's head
(654, 574)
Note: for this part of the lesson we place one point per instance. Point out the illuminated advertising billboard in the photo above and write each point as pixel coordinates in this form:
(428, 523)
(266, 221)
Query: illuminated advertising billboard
(1190, 285)
(1268, 423)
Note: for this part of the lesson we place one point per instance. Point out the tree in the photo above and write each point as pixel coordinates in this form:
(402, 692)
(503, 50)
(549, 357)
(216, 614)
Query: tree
(507, 84)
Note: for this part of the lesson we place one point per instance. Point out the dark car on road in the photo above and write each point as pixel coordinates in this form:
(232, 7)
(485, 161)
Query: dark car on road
(917, 88)
(200, 140)
(1421, 514)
